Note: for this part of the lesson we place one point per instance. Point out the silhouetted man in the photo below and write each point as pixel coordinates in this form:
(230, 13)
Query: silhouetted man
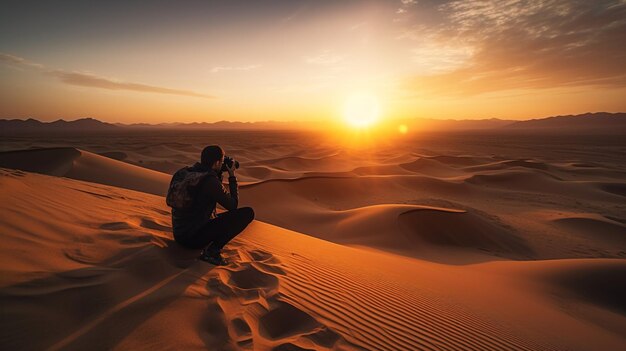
(196, 225)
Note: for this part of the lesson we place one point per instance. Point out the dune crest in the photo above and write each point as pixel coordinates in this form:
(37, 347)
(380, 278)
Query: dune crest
(84, 165)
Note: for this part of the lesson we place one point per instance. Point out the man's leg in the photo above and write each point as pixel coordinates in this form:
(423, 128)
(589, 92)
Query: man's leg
(226, 226)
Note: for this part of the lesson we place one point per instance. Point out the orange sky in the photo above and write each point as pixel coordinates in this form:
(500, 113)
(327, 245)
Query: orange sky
(302, 60)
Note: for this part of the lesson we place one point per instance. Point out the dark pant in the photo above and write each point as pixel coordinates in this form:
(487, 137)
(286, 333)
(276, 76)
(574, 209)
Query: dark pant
(220, 230)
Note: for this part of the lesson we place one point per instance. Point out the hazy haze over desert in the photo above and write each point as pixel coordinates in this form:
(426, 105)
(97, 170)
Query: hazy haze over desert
(425, 175)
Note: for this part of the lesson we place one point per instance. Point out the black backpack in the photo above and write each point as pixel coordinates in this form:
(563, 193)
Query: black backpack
(178, 194)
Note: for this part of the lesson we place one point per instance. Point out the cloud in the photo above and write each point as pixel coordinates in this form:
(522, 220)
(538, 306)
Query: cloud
(435, 58)
(231, 68)
(94, 81)
(403, 9)
(325, 58)
(527, 45)
(18, 61)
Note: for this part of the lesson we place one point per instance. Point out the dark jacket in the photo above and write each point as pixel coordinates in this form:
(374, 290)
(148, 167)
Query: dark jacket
(209, 192)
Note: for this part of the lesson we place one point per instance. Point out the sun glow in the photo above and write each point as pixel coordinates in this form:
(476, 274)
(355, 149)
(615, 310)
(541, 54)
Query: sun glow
(361, 110)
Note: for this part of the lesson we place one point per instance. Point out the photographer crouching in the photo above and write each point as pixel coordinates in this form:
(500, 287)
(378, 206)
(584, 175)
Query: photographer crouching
(193, 194)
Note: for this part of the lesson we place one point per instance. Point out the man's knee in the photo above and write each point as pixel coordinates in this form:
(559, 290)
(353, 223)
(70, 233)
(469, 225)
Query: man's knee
(247, 213)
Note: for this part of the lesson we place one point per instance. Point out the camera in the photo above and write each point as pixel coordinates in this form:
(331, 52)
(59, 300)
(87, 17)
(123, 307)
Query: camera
(228, 161)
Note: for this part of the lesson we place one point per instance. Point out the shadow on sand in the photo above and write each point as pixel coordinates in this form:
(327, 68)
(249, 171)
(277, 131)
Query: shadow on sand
(96, 307)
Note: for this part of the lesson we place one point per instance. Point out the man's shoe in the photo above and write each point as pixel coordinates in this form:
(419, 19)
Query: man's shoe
(213, 258)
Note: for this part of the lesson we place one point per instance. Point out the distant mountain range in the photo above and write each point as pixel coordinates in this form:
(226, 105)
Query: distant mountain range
(601, 121)
(9, 126)
(585, 121)
(29, 126)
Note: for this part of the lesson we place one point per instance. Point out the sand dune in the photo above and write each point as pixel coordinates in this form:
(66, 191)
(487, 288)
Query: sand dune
(489, 246)
(598, 282)
(253, 174)
(113, 277)
(614, 188)
(348, 192)
(116, 155)
(518, 179)
(485, 187)
(84, 165)
(438, 234)
(509, 164)
(594, 227)
(52, 161)
(459, 161)
(431, 167)
(463, 229)
(308, 201)
(301, 163)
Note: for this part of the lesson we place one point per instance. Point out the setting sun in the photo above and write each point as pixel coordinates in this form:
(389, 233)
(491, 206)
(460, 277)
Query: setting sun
(361, 110)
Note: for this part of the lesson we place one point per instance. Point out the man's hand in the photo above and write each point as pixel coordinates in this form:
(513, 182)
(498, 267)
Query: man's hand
(231, 170)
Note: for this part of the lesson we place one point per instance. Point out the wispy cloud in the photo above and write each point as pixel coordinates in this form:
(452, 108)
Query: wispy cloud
(234, 68)
(403, 10)
(324, 58)
(18, 61)
(91, 80)
(527, 45)
(436, 58)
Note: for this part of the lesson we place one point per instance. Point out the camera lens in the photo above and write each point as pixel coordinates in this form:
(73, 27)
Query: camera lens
(228, 162)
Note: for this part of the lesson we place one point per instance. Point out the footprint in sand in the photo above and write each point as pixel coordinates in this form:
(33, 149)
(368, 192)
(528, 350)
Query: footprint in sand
(242, 331)
(248, 291)
(250, 277)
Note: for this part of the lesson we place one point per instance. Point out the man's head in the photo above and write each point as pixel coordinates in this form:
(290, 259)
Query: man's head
(212, 157)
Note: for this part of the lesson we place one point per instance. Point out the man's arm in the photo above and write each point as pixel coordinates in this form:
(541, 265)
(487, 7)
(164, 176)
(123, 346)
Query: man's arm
(213, 187)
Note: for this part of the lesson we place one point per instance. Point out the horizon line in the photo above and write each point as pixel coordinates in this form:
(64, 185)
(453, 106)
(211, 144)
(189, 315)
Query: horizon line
(301, 122)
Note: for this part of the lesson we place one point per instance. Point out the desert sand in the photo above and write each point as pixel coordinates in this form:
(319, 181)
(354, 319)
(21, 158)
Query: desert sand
(433, 242)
